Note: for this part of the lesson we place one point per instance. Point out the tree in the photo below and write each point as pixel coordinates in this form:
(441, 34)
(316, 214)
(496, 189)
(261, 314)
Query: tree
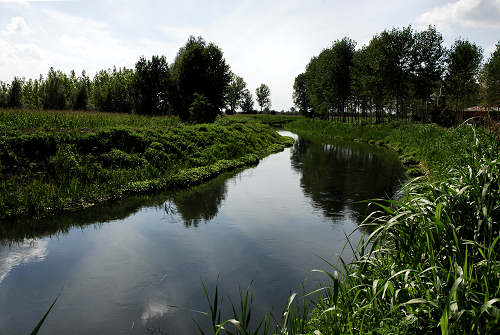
(198, 68)
(81, 92)
(234, 93)
(428, 56)
(4, 94)
(490, 78)
(300, 97)
(263, 96)
(150, 86)
(342, 55)
(395, 67)
(55, 90)
(15, 93)
(247, 102)
(461, 85)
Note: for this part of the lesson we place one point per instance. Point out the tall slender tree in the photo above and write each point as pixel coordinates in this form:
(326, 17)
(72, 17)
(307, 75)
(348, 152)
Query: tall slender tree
(247, 102)
(300, 97)
(263, 94)
(428, 57)
(490, 78)
(461, 84)
(150, 86)
(234, 93)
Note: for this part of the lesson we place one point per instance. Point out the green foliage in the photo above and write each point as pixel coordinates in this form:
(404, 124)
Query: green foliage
(300, 97)
(490, 78)
(464, 61)
(199, 68)
(397, 75)
(15, 93)
(150, 86)
(55, 90)
(430, 265)
(201, 110)
(235, 93)
(263, 95)
(247, 102)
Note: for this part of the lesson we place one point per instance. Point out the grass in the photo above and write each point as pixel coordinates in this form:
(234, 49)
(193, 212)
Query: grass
(276, 121)
(430, 262)
(52, 161)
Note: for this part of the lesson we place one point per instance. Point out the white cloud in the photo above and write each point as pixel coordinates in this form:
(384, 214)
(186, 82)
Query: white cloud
(154, 310)
(17, 25)
(29, 251)
(464, 13)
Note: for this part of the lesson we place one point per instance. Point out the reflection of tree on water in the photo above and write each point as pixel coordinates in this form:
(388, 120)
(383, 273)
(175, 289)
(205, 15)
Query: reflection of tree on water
(19, 229)
(198, 203)
(337, 176)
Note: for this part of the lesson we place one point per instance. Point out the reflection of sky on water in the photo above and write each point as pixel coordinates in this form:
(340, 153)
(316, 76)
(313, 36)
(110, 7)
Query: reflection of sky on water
(267, 224)
(29, 251)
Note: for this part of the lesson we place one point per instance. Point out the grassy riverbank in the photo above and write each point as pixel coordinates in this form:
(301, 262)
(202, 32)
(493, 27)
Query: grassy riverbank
(423, 148)
(52, 161)
(430, 263)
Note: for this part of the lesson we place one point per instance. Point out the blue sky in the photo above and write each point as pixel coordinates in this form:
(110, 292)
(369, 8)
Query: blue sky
(263, 41)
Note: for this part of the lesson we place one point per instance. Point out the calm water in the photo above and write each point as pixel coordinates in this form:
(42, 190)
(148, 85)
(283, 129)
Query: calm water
(121, 267)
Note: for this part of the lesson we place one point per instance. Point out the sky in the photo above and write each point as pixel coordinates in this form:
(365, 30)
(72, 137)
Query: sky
(267, 42)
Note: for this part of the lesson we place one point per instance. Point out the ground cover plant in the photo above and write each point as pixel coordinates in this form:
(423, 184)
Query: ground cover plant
(51, 161)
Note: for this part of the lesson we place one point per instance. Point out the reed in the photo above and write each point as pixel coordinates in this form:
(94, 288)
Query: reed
(430, 262)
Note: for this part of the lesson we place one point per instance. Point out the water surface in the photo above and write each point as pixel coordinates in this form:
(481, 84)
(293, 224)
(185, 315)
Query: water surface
(121, 267)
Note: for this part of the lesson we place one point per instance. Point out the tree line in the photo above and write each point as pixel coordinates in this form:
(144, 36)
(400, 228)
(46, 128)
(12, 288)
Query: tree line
(197, 87)
(400, 74)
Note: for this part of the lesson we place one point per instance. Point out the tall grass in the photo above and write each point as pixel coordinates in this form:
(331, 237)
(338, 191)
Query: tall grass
(430, 263)
(26, 121)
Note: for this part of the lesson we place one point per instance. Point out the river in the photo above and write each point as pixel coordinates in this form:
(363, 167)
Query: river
(120, 268)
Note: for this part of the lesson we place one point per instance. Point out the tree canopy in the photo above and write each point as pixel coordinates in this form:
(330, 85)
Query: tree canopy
(490, 79)
(263, 94)
(463, 63)
(234, 93)
(400, 74)
(199, 68)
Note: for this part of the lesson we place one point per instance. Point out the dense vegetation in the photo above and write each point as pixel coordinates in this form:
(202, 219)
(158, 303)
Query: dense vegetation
(53, 160)
(197, 87)
(400, 74)
(429, 263)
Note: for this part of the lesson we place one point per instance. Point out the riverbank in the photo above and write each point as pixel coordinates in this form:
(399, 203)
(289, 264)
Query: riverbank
(424, 149)
(430, 262)
(53, 161)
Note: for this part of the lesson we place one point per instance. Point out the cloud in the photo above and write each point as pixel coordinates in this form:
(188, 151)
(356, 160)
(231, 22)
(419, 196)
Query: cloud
(17, 25)
(464, 13)
(29, 251)
(154, 310)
